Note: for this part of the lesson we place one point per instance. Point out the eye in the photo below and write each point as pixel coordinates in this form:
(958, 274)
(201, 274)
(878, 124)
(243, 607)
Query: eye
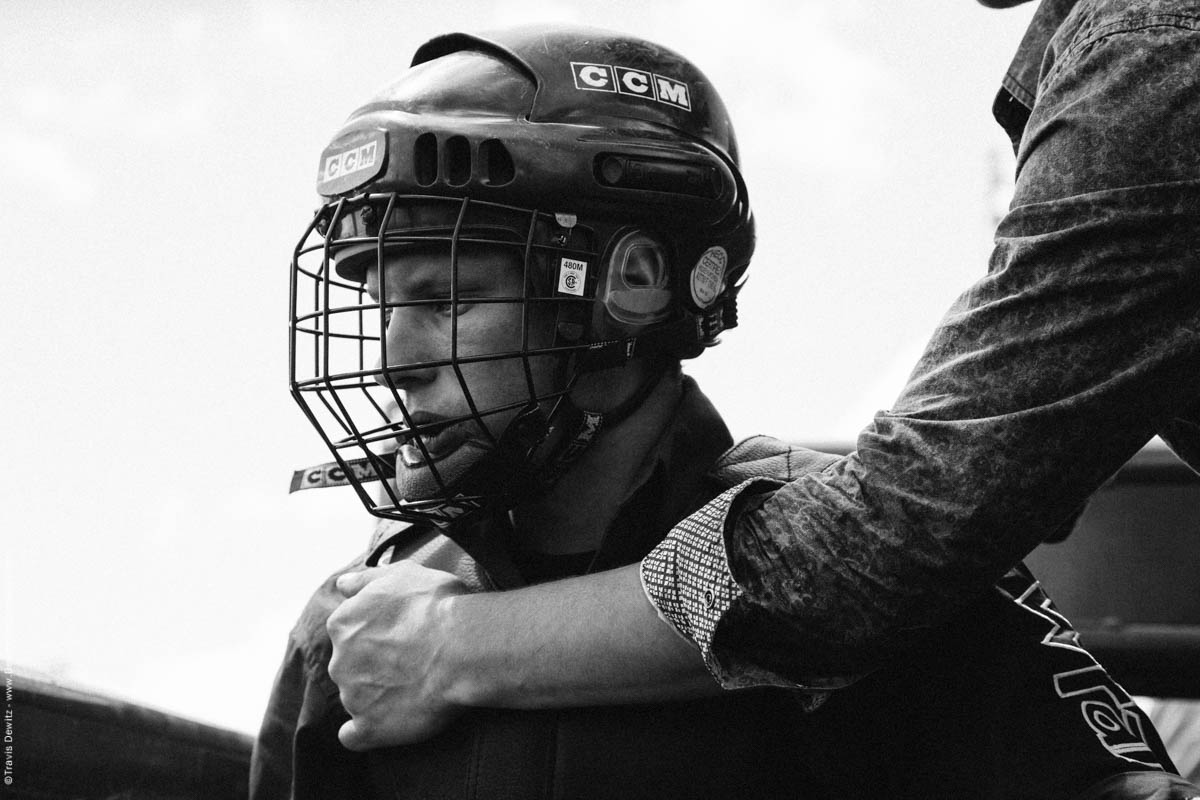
(448, 309)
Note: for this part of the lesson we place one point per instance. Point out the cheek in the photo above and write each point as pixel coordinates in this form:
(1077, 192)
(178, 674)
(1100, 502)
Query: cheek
(497, 330)
(488, 329)
(504, 381)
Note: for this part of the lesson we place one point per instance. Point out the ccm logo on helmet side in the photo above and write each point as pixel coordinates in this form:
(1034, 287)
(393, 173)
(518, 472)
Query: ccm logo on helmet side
(635, 82)
(350, 161)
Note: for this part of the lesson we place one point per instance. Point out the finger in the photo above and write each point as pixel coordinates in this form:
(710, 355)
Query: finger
(351, 583)
(343, 623)
(352, 738)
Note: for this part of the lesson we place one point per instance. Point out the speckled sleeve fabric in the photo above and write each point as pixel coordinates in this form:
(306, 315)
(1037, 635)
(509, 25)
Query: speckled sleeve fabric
(689, 575)
(1082, 342)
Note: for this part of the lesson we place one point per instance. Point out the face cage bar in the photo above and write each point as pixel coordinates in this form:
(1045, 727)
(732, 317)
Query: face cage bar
(366, 453)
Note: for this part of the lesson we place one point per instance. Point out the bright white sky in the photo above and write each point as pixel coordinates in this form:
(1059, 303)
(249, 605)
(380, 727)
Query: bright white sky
(157, 163)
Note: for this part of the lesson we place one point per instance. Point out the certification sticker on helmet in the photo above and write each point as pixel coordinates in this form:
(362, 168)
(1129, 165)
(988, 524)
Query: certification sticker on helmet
(571, 274)
(708, 276)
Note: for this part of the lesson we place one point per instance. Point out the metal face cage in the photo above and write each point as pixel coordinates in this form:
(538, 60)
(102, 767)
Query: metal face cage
(341, 374)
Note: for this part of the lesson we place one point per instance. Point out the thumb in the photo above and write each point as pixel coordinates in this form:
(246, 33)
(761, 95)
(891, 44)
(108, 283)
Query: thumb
(352, 738)
(351, 583)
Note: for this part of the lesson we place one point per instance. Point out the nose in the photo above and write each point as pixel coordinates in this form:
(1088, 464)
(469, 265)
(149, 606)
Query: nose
(404, 346)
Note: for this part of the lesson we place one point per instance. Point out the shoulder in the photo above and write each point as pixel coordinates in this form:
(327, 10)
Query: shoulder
(310, 628)
(426, 547)
(767, 457)
(429, 547)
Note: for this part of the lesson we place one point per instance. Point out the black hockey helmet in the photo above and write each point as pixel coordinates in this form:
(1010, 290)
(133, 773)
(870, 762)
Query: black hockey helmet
(608, 163)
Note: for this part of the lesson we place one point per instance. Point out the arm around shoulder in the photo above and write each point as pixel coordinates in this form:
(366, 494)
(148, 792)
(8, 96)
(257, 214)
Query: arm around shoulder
(594, 639)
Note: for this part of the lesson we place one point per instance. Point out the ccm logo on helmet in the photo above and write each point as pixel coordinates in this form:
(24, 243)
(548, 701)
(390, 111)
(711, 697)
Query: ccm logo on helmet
(350, 161)
(636, 82)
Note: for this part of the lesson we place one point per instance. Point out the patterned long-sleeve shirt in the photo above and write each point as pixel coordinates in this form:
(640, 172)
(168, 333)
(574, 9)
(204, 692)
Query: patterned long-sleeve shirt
(1079, 345)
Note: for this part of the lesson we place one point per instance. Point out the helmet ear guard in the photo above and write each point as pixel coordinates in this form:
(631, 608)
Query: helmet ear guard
(635, 289)
(637, 300)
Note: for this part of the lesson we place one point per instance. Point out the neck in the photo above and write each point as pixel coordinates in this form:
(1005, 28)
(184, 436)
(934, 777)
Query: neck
(573, 516)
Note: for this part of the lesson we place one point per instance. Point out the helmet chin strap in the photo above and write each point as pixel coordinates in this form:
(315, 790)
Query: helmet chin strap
(581, 426)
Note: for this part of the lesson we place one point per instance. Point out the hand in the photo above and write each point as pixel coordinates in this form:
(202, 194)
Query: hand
(387, 637)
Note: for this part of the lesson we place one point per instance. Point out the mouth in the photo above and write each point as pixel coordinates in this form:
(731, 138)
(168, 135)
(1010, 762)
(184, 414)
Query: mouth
(439, 436)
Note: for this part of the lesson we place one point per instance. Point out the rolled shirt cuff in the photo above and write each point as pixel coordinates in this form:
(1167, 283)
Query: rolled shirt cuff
(688, 580)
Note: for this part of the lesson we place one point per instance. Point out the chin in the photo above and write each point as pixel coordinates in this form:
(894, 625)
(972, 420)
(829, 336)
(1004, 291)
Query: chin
(418, 482)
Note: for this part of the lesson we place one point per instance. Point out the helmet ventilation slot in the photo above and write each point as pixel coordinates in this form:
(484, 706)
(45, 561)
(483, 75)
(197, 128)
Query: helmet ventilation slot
(457, 161)
(425, 160)
(497, 163)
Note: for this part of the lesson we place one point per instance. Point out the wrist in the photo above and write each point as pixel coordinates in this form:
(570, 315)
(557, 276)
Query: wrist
(466, 680)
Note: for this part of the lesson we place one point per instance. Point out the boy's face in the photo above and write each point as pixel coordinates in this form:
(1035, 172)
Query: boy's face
(435, 329)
